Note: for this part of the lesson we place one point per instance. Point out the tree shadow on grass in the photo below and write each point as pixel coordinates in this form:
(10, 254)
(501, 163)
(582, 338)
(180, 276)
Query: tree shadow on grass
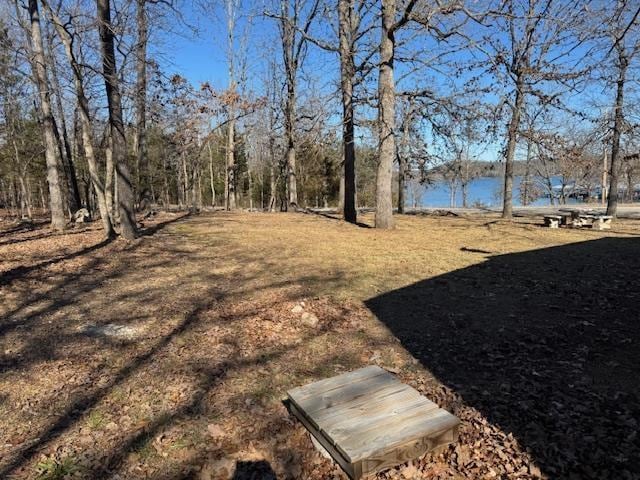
(23, 227)
(40, 345)
(14, 239)
(544, 343)
(21, 271)
(331, 216)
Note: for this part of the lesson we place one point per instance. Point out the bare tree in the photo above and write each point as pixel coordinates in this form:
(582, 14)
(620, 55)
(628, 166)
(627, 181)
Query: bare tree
(407, 116)
(348, 32)
(351, 30)
(534, 53)
(62, 134)
(386, 115)
(625, 41)
(88, 142)
(39, 66)
(231, 8)
(124, 188)
(429, 17)
(140, 139)
(295, 19)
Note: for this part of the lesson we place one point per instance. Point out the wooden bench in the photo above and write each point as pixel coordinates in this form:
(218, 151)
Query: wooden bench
(552, 221)
(368, 420)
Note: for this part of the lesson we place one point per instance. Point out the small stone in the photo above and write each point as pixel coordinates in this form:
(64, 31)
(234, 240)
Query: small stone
(82, 216)
(297, 309)
(309, 319)
(215, 430)
(112, 426)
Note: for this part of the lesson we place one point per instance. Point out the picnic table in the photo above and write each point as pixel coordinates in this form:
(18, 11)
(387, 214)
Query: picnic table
(579, 218)
(368, 420)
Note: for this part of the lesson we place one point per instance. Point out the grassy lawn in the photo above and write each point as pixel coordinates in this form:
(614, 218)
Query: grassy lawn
(168, 357)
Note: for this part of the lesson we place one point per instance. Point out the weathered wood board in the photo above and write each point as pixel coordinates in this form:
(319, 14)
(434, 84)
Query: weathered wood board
(368, 420)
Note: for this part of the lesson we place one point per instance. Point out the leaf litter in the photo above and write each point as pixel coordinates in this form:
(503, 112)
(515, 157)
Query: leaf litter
(168, 357)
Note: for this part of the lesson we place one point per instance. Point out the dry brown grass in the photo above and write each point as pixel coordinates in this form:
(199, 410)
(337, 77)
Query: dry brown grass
(215, 345)
(335, 258)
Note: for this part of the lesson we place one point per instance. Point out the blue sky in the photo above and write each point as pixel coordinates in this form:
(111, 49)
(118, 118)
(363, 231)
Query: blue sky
(194, 47)
(197, 50)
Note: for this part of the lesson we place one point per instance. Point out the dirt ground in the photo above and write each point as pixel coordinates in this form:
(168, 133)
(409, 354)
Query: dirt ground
(168, 357)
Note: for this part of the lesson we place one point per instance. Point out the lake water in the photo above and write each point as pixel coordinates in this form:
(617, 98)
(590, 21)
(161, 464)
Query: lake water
(483, 190)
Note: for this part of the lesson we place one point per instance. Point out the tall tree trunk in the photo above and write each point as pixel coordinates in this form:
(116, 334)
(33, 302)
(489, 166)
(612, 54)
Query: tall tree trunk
(85, 122)
(63, 136)
(109, 189)
(25, 200)
(20, 172)
(195, 182)
(623, 63)
(512, 140)
(347, 74)
(116, 210)
(98, 187)
(466, 178)
(402, 154)
(184, 188)
(230, 159)
(48, 125)
(465, 195)
(4, 188)
(230, 197)
(453, 190)
(13, 202)
(290, 56)
(524, 185)
(165, 178)
(273, 184)
(341, 190)
(386, 119)
(140, 139)
(290, 118)
(250, 191)
(119, 144)
(402, 167)
(43, 202)
(212, 185)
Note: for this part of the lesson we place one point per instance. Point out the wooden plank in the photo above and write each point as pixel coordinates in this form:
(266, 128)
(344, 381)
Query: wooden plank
(347, 393)
(335, 454)
(348, 437)
(406, 451)
(381, 414)
(328, 418)
(363, 444)
(328, 384)
(381, 421)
